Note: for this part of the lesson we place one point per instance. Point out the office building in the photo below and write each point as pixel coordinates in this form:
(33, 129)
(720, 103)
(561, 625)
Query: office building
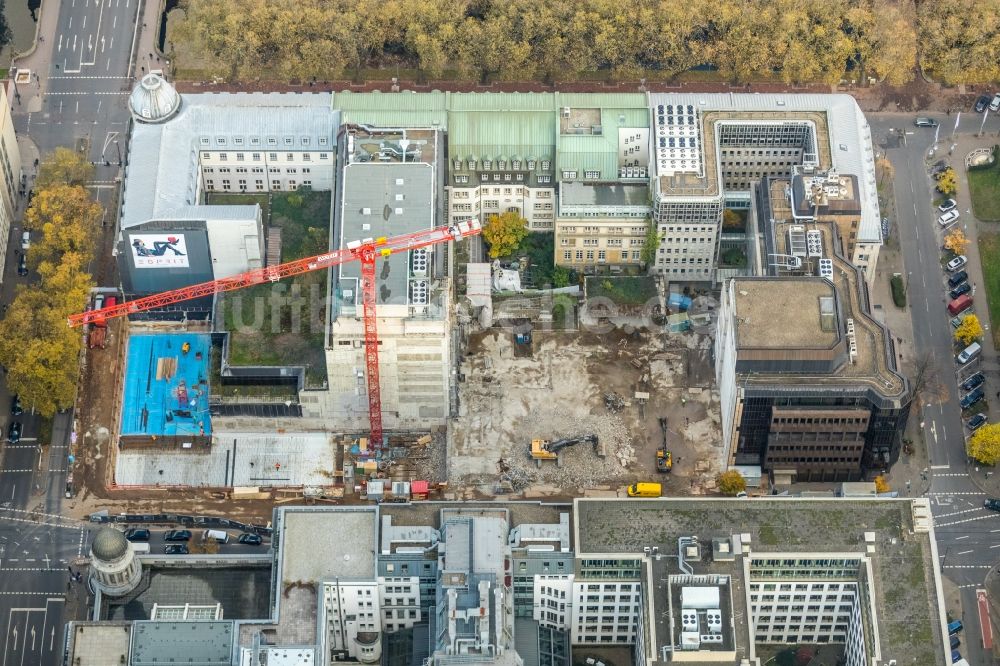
(807, 377)
(643, 581)
(12, 178)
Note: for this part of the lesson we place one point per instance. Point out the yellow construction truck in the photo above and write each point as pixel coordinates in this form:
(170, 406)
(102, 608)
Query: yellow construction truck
(543, 449)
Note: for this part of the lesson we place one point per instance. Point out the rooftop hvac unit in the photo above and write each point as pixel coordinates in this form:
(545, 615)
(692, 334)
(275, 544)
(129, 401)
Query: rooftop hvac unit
(713, 619)
(711, 638)
(418, 292)
(826, 268)
(797, 241)
(690, 641)
(689, 620)
(418, 261)
(814, 242)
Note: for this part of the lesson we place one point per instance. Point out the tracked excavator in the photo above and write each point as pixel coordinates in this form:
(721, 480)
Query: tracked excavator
(543, 449)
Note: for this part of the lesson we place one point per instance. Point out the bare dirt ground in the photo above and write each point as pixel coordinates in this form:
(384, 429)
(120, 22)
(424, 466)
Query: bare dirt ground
(507, 400)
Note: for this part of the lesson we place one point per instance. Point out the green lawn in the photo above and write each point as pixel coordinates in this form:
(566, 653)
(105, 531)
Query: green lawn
(989, 256)
(282, 323)
(623, 290)
(984, 186)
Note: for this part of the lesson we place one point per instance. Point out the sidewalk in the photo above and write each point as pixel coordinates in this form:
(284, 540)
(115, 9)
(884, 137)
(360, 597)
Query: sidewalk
(908, 476)
(147, 55)
(38, 59)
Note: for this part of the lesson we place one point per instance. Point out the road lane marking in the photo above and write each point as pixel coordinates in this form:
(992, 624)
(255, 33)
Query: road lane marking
(961, 537)
(940, 466)
(967, 520)
(965, 552)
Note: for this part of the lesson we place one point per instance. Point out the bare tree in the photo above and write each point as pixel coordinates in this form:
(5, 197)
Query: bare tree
(926, 380)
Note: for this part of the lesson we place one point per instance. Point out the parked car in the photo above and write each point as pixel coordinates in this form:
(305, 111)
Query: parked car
(26, 240)
(939, 167)
(992, 504)
(960, 289)
(957, 279)
(22, 265)
(956, 656)
(957, 263)
(975, 381)
(14, 432)
(995, 104)
(250, 539)
(982, 103)
(16, 408)
(137, 534)
(922, 121)
(972, 398)
(948, 218)
(976, 422)
(949, 204)
(956, 626)
(954, 641)
(177, 535)
(175, 549)
(957, 321)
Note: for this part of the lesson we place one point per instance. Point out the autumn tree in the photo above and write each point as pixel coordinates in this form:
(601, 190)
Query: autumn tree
(984, 445)
(969, 330)
(959, 40)
(883, 34)
(731, 219)
(956, 241)
(650, 244)
(504, 233)
(37, 347)
(881, 484)
(730, 482)
(884, 169)
(947, 182)
(64, 167)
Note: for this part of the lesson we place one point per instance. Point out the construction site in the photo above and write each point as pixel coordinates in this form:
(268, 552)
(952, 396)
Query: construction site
(615, 386)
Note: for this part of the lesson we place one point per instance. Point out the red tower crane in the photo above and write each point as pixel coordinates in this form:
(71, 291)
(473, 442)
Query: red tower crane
(366, 251)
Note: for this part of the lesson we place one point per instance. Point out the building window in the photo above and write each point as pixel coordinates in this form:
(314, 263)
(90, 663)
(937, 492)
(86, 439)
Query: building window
(569, 175)
(601, 255)
(546, 165)
(225, 184)
(307, 157)
(223, 157)
(289, 157)
(324, 156)
(220, 141)
(579, 255)
(461, 179)
(209, 170)
(531, 165)
(487, 165)
(591, 174)
(272, 156)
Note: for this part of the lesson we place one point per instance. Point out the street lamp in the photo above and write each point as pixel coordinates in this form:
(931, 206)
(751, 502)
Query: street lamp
(119, 149)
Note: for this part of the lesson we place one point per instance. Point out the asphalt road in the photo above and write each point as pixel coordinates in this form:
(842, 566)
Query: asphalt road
(968, 534)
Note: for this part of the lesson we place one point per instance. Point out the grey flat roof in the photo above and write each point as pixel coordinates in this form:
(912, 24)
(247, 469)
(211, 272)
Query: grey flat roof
(371, 207)
(99, 643)
(604, 194)
(191, 643)
(850, 136)
(161, 178)
(902, 561)
(323, 544)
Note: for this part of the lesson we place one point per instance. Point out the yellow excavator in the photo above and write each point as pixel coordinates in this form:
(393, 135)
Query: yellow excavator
(543, 449)
(664, 461)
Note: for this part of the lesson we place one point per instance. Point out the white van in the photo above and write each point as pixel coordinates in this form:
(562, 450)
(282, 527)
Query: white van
(140, 548)
(969, 353)
(219, 536)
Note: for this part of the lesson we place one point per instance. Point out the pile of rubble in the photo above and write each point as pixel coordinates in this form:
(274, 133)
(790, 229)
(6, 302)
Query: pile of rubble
(579, 466)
